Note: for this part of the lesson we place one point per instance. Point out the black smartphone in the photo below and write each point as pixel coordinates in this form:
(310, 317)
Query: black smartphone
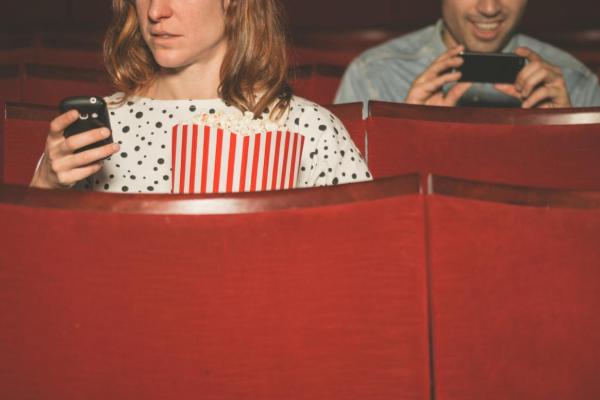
(490, 67)
(93, 114)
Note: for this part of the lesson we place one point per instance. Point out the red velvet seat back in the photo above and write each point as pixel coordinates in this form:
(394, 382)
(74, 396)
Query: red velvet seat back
(515, 299)
(16, 48)
(301, 302)
(318, 82)
(48, 85)
(327, 79)
(71, 57)
(338, 57)
(10, 85)
(553, 148)
(23, 133)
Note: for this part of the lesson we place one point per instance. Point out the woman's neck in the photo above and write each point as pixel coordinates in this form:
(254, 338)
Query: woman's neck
(199, 80)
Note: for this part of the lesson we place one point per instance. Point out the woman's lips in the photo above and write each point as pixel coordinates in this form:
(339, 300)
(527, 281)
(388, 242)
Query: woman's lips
(163, 36)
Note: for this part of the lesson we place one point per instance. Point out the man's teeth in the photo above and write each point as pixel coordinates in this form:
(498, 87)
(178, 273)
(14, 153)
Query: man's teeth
(490, 26)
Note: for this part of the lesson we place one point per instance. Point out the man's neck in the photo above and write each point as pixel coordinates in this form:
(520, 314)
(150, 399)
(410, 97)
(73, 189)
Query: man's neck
(447, 38)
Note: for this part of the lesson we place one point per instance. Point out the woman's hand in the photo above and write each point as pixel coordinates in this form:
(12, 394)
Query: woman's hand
(60, 167)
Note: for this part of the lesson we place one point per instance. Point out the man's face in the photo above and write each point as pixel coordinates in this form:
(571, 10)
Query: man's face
(481, 25)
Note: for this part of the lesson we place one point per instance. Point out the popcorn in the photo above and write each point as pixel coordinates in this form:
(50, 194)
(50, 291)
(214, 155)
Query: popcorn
(243, 125)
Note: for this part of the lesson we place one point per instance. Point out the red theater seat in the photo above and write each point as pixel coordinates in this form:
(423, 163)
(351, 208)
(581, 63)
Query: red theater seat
(552, 148)
(318, 82)
(45, 84)
(10, 83)
(308, 55)
(515, 292)
(23, 133)
(273, 296)
(71, 49)
(16, 48)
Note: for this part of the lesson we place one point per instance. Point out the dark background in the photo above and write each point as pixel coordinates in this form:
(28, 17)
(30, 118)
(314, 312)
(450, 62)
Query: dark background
(402, 15)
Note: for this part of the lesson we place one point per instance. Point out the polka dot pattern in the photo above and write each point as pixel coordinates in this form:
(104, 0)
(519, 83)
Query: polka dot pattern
(143, 126)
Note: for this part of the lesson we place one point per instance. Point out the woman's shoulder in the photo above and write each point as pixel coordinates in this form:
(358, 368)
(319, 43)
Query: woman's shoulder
(302, 106)
(308, 114)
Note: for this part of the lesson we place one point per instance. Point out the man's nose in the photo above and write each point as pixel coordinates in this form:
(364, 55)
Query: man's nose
(489, 8)
(159, 10)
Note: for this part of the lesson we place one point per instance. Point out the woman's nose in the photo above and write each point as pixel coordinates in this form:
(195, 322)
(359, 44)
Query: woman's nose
(159, 10)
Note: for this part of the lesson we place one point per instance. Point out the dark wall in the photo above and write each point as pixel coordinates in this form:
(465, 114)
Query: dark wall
(542, 15)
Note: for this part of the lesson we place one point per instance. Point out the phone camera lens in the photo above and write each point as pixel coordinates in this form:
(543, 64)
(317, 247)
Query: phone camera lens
(84, 116)
(93, 100)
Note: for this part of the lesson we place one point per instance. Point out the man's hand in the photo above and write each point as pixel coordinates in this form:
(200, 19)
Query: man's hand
(427, 87)
(539, 84)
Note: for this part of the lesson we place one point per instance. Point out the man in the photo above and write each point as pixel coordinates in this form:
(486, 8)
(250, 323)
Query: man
(417, 68)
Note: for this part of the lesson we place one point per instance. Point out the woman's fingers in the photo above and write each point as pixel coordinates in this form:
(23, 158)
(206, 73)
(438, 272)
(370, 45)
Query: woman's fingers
(87, 157)
(83, 139)
(70, 177)
(60, 123)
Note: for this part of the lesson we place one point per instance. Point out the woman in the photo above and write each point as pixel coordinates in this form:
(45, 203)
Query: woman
(174, 60)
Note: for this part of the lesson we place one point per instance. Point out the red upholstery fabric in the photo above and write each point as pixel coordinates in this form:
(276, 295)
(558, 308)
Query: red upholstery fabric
(318, 83)
(307, 55)
(10, 88)
(531, 155)
(22, 145)
(303, 84)
(305, 303)
(51, 91)
(515, 299)
(17, 55)
(71, 58)
(325, 88)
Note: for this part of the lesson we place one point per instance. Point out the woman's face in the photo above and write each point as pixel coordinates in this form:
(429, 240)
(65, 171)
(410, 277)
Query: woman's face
(182, 32)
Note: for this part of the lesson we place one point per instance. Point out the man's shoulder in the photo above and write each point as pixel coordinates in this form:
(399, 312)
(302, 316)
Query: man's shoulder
(406, 48)
(553, 54)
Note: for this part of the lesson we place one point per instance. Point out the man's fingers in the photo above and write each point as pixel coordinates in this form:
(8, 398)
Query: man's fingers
(60, 123)
(533, 81)
(528, 54)
(453, 52)
(508, 89)
(443, 66)
(543, 93)
(457, 92)
(438, 83)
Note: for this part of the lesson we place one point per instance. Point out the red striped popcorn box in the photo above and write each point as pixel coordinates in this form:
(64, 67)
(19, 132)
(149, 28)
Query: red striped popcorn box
(208, 159)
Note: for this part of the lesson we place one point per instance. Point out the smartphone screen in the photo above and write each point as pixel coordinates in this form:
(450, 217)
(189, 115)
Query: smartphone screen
(93, 114)
(490, 67)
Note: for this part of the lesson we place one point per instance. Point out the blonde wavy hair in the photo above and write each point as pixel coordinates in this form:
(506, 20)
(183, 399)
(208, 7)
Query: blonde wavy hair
(254, 70)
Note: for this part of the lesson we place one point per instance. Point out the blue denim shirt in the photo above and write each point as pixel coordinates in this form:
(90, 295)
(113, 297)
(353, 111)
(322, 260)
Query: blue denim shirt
(386, 72)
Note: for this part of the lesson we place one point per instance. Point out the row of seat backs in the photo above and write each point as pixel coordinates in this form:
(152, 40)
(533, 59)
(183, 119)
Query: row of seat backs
(546, 148)
(48, 84)
(356, 291)
(83, 49)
